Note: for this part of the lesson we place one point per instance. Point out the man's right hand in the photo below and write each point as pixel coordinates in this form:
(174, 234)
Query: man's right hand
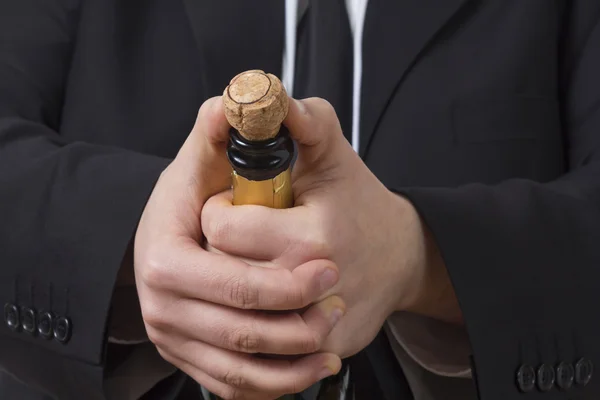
(203, 310)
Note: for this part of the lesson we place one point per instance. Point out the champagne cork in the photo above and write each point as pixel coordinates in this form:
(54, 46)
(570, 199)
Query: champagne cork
(256, 104)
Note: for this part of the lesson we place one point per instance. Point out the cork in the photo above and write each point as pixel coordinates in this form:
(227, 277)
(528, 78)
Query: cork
(256, 104)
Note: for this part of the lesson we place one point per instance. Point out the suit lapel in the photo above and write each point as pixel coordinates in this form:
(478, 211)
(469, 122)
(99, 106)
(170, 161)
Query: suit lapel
(236, 35)
(395, 34)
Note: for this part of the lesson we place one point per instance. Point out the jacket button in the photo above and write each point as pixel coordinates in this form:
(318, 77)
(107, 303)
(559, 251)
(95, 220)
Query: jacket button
(545, 377)
(62, 330)
(526, 378)
(565, 374)
(29, 320)
(46, 325)
(583, 371)
(12, 317)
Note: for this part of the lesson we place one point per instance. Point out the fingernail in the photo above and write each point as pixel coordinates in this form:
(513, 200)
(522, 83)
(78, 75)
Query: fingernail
(332, 366)
(328, 279)
(335, 316)
(332, 308)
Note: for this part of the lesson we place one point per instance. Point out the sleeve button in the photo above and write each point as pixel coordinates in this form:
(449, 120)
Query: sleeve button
(565, 374)
(63, 330)
(46, 325)
(526, 378)
(29, 320)
(545, 377)
(583, 371)
(12, 317)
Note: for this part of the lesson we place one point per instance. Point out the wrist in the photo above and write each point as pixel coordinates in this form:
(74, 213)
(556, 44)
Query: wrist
(429, 291)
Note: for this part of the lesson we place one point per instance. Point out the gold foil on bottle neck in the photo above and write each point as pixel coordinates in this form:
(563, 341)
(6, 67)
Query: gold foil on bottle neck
(274, 193)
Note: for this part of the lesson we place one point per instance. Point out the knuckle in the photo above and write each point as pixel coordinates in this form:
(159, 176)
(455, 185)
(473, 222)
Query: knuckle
(295, 296)
(246, 341)
(153, 314)
(218, 230)
(154, 274)
(311, 343)
(240, 293)
(234, 379)
(317, 245)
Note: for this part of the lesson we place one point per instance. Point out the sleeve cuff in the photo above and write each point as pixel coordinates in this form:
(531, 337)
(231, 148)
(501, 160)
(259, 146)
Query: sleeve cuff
(126, 324)
(439, 347)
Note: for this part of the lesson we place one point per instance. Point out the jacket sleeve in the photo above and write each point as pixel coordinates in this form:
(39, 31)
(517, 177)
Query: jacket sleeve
(68, 210)
(524, 256)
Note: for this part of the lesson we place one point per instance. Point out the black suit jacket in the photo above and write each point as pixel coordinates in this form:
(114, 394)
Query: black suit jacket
(485, 114)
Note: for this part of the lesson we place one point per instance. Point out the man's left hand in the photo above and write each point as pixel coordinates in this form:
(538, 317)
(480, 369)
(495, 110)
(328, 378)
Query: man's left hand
(343, 213)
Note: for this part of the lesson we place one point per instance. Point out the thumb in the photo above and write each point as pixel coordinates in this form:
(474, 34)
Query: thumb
(315, 127)
(202, 159)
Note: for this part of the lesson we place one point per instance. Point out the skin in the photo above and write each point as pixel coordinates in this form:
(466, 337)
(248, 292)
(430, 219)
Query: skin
(349, 254)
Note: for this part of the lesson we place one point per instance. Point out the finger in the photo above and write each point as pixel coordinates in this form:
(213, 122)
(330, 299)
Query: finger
(262, 233)
(217, 388)
(195, 273)
(253, 332)
(314, 125)
(254, 373)
(211, 126)
(202, 159)
(211, 123)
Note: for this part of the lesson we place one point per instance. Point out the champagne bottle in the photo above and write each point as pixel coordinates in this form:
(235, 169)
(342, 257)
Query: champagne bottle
(261, 152)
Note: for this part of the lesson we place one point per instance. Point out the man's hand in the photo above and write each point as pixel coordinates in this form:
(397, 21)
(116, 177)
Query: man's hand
(343, 213)
(202, 310)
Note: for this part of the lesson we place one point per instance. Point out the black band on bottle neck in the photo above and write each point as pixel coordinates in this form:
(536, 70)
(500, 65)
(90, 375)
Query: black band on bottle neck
(259, 161)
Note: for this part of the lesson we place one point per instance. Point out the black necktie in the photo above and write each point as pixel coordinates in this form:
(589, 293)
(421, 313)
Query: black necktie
(324, 58)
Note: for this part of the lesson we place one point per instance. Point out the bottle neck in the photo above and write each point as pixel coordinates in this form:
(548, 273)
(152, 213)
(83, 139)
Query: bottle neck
(260, 160)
